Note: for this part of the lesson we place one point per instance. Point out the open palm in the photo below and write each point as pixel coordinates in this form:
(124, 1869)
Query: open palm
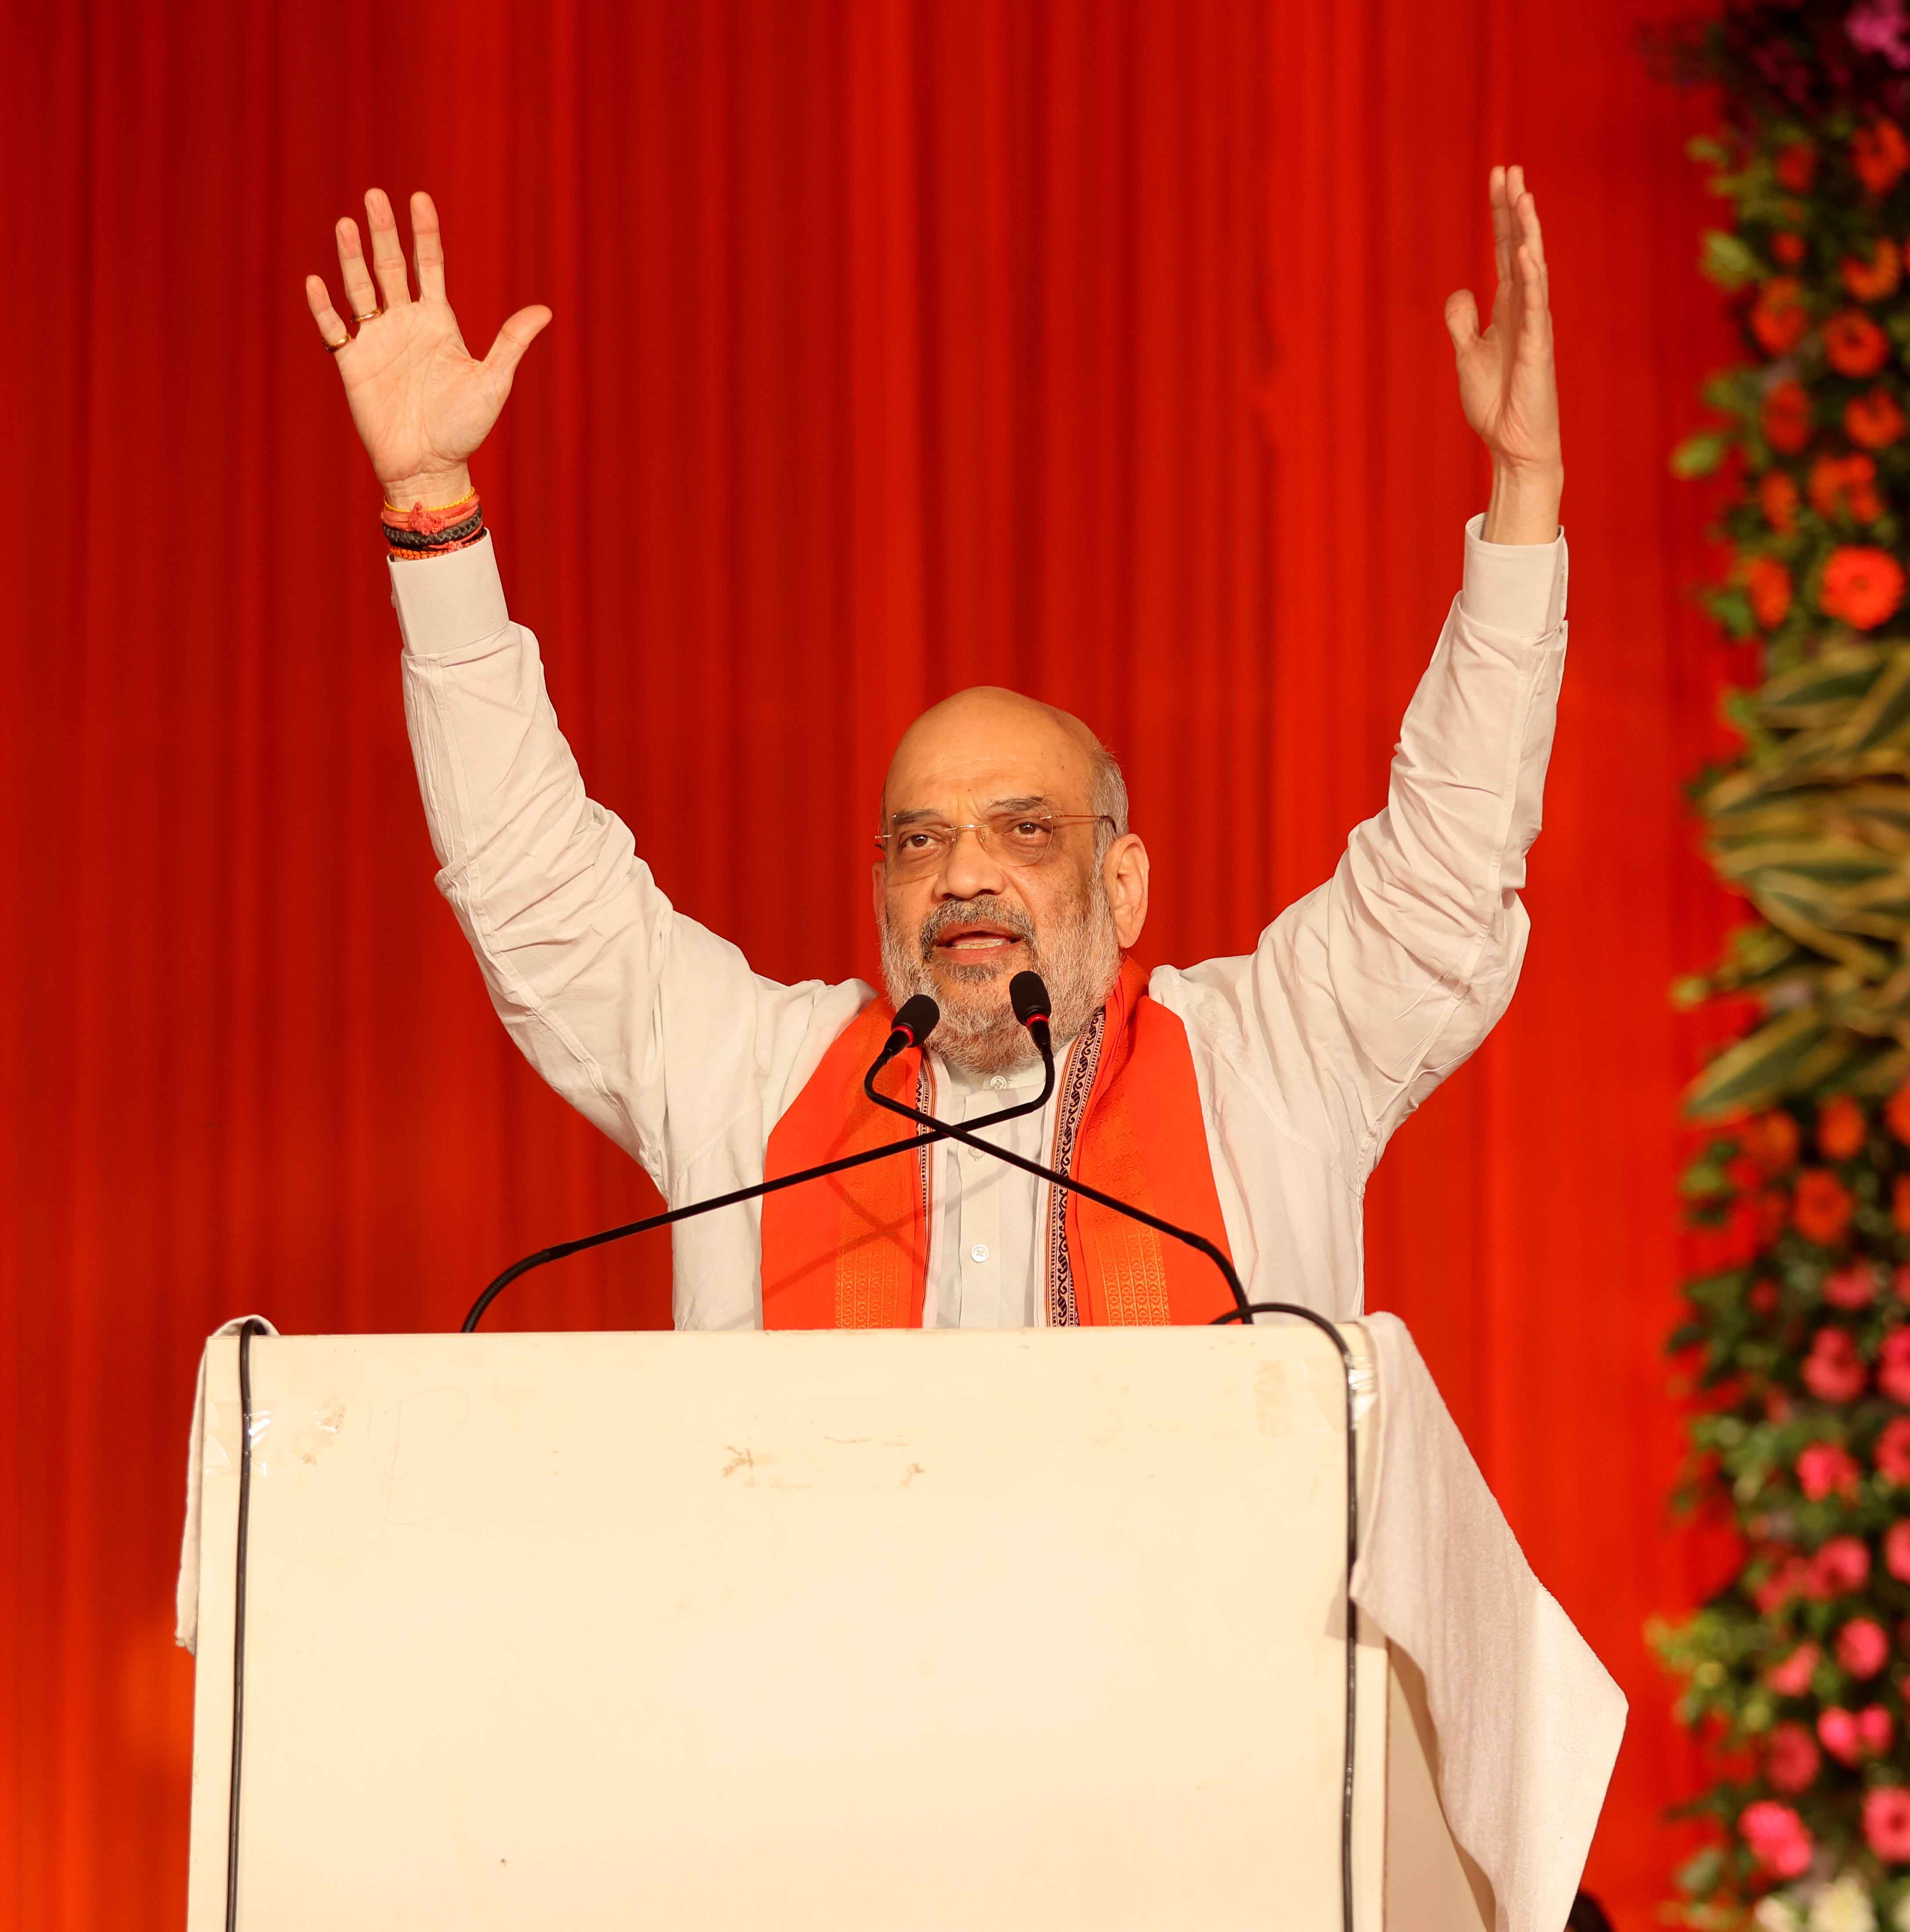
(1507, 383)
(422, 401)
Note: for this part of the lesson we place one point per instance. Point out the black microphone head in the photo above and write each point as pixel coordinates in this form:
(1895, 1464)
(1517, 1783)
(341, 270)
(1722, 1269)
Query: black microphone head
(1028, 995)
(917, 1019)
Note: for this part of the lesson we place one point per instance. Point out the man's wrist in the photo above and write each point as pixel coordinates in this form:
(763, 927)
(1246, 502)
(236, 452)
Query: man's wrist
(1524, 505)
(430, 487)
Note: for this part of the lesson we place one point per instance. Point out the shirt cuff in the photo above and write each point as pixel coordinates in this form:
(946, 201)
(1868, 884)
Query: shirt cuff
(444, 603)
(1517, 588)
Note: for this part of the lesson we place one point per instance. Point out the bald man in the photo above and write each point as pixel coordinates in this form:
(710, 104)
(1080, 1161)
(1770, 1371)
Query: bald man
(1248, 1098)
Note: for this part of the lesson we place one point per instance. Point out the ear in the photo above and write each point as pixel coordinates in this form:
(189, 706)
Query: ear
(1123, 871)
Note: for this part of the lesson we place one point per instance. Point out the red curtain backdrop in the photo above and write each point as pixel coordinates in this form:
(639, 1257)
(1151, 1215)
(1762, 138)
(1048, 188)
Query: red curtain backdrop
(1092, 348)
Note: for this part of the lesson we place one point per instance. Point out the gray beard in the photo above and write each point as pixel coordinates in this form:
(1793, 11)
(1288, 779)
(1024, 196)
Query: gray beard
(1079, 959)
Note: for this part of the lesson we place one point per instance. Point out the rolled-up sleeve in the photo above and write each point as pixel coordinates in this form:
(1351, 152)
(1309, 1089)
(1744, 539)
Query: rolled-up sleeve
(1359, 998)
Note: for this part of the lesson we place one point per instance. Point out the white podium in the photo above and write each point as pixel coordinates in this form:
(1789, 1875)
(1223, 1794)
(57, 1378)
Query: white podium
(885, 1629)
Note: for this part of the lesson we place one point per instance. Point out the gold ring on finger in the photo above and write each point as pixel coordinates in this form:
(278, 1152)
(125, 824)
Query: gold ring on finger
(372, 317)
(335, 346)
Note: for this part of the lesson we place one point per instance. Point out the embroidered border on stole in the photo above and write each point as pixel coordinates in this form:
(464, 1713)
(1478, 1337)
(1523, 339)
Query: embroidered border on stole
(1064, 1308)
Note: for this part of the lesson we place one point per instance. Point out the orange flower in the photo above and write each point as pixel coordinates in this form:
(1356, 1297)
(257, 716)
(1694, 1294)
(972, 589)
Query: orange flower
(1853, 345)
(1899, 1203)
(1862, 585)
(1785, 416)
(1795, 166)
(1769, 584)
(1896, 1113)
(1788, 248)
(1875, 419)
(1778, 318)
(1872, 281)
(1841, 1129)
(1777, 494)
(1822, 1207)
(1879, 154)
(1770, 1140)
(1845, 486)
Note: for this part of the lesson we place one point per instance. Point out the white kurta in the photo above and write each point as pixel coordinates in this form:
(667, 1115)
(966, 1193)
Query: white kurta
(1308, 1052)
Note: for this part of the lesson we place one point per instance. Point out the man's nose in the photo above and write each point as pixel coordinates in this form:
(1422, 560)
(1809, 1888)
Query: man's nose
(968, 869)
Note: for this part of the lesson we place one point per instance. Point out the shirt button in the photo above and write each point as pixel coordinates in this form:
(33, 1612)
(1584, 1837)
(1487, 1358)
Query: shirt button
(979, 1252)
(995, 1081)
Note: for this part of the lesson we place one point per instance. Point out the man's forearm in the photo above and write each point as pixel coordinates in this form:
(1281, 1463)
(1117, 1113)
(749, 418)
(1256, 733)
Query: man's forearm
(1524, 506)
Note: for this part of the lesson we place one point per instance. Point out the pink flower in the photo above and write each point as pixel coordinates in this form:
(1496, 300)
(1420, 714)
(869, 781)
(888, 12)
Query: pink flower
(1892, 1453)
(1863, 1648)
(1791, 1679)
(1886, 1823)
(1873, 1729)
(1850, 1735)
(1878, 26)
(1833, 1371)
(1791, 1763)
(1893, 1365)
(1852, 1287)
(1778, 1840)
(1896, 1550)
(1842, 1566)
(1788, 1580)
(1824, 1469)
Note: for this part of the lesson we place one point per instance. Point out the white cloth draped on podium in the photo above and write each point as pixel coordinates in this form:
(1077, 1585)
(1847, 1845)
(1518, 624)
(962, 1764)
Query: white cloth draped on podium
(1084, 1568)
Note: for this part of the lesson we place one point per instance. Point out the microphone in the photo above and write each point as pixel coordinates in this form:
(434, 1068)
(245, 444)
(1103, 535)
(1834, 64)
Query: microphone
(1028, 995)
(916, 1019)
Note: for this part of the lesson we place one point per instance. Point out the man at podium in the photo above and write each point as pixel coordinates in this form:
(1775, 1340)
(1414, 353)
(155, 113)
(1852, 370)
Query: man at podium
(1247, 1099)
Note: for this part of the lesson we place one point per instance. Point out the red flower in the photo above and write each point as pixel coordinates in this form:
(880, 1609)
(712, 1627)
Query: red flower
(1850, 1736)
(1862, 585)
(1791, 1679)
(1842, 1565)
(1854, 1287)
(1894, 1367)
(1770, 1139)
(1833, 1371)
(1896, 1550)
(1768, 584)
(1795, 166)
(1853, 345)
(1872, 281)
(1777, 1837)
(1879, 154)
(1899, 1214)
(1821, 1208)
(1892, 1452)
(1784, 415)
(1896, 1112)
(1792, 1762)
(1824, 1469)
(1778, 317)
(1863, 1648)
(1874, 419)
(1762, 1297)
(1788, 248)
(1777, 496)
(1845, 486)
(1886, 1822)
(1841, 1128)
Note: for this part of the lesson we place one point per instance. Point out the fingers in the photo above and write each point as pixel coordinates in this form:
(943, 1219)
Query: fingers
(1502, 224)
(427, 246)
(387, 252)
(1462, 319)
(517, 334)
(331, 329)
(360, 296)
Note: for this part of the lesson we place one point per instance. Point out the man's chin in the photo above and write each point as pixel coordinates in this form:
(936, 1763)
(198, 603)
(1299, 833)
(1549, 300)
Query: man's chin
(952, 971)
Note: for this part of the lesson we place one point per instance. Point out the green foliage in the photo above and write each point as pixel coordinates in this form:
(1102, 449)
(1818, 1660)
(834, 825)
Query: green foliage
(1796, 1342)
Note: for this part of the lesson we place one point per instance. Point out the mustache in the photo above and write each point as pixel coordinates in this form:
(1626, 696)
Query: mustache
(955, 912)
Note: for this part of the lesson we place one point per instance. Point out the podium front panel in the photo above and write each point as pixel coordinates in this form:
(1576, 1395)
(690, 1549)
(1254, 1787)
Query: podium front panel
(890, 1630)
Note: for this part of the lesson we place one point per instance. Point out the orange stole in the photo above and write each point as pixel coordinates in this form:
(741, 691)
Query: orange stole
(851, 1251)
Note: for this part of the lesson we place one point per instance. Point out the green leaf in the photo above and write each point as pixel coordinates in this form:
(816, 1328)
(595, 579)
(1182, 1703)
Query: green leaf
(1727, 259)
(1700, 455)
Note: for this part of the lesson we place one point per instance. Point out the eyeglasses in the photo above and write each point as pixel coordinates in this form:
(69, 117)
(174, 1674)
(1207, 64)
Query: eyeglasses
(1019, 839)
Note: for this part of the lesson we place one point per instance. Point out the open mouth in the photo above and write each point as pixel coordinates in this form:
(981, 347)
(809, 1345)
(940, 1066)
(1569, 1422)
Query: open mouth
(976, 944)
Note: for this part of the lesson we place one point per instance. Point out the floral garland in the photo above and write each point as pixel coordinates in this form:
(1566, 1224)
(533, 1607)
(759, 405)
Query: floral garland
(1798, 1672)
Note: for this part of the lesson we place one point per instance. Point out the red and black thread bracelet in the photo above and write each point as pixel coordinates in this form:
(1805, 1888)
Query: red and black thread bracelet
(433, 530)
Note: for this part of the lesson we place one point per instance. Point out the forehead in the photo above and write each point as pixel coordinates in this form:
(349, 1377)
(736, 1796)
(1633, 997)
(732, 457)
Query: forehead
(985, 757)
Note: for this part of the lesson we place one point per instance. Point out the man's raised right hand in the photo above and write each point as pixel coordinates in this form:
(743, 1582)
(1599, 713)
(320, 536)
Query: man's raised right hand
(421, 402)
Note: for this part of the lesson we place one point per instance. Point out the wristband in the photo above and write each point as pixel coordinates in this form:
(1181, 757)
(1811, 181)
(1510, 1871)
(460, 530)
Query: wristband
(433, 530)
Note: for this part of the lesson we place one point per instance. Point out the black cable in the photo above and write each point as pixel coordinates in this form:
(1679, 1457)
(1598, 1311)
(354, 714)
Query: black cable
(938, 1131)
(247, 1330)
(1242, 1311)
